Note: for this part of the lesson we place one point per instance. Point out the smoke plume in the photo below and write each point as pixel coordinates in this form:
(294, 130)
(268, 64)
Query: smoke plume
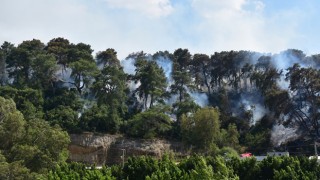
(281, 134)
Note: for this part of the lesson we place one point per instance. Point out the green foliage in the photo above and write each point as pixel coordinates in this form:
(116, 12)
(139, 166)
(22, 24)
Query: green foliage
(149, 124)
(44, 68)
(137, 168)
(194, 167)
(97, 119)
(79, 171)
(228, 152)
(61, 107)
(111, 92)
(206, 168)
(275, 168)
(202, 128)
(304, 106)
(231, 138)
(62, 97)
(63, 116)
(108, 58)
(94, 97)
(28, 101)
(83, 71)
(153, 82)
(185, 107)
(30, 146)
(14, 170)
(59, 47)
(5, 50)
(258, 138)
(167, 170)
(11, 125)
(245, 168)
(180, 74)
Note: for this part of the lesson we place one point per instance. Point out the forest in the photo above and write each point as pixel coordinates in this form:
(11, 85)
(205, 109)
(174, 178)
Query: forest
(228, 102)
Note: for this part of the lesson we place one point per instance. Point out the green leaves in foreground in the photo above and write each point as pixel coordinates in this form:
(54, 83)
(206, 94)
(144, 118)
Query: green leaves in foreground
(194, 168)
(28, 146)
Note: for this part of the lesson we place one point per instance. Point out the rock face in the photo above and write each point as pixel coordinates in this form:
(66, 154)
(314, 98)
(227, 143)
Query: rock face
(114, 149)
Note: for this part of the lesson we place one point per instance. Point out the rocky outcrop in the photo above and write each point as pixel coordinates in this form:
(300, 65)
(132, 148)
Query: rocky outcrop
(113, 149)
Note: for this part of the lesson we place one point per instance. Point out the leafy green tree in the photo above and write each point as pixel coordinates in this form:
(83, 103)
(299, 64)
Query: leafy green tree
(180, 75)
(108, 58)
(202, 128)
(244, 168)
(82, 73)
(79, 171)
(59, 47)
(184, 107)
(97, 119)
(137, 168)
(110, 89)
(79, 51)
(258, 139)
(168, 170)
(149, 124)
(12, 125)
(110, 84)
(228, 153)
(278, 101)
(19, 61)
(304, 106)
(32, 146)
(266, 80)
(201, 69)
(42, 147)
(29, 101)
(202, 171)
(44, 68)
(62, 107)
(232, 137)
(62, 97)
(199, 167)
(153, 82)
(224, 67)
(5, 50)
(63, 116)
(82, 64)
(14, 170)
(220, 168)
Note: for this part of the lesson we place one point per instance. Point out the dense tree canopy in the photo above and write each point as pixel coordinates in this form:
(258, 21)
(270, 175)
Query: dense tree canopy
(251, 93)
(30, 145)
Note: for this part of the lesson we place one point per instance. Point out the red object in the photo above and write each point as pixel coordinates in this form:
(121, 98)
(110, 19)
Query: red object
(246, 155)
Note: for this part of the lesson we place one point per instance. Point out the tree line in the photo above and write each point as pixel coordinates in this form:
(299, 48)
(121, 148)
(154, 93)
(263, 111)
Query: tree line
(195, 167)
(199, 99)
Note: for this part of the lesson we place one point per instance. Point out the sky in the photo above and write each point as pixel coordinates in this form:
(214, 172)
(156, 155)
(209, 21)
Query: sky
(202, 26)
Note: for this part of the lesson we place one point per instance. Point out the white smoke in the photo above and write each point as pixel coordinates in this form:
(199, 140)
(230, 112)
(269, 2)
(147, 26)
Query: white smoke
(63, 75)
(200, 98)
(281, 134)
(166, 64)
(128, 66)
(285, 60)
(258, 111)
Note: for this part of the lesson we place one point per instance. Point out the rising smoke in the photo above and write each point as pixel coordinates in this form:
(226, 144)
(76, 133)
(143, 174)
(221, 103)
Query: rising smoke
(281, 135)
(166, 64)
(63, 75)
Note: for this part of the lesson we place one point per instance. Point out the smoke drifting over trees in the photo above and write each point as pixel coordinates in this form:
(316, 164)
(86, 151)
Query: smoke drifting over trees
(271, 99)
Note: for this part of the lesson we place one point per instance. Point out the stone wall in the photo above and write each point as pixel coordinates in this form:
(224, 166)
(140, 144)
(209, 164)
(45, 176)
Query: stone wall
(111, 149)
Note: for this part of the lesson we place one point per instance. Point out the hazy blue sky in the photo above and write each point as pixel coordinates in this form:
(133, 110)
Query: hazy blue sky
(202, 26)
